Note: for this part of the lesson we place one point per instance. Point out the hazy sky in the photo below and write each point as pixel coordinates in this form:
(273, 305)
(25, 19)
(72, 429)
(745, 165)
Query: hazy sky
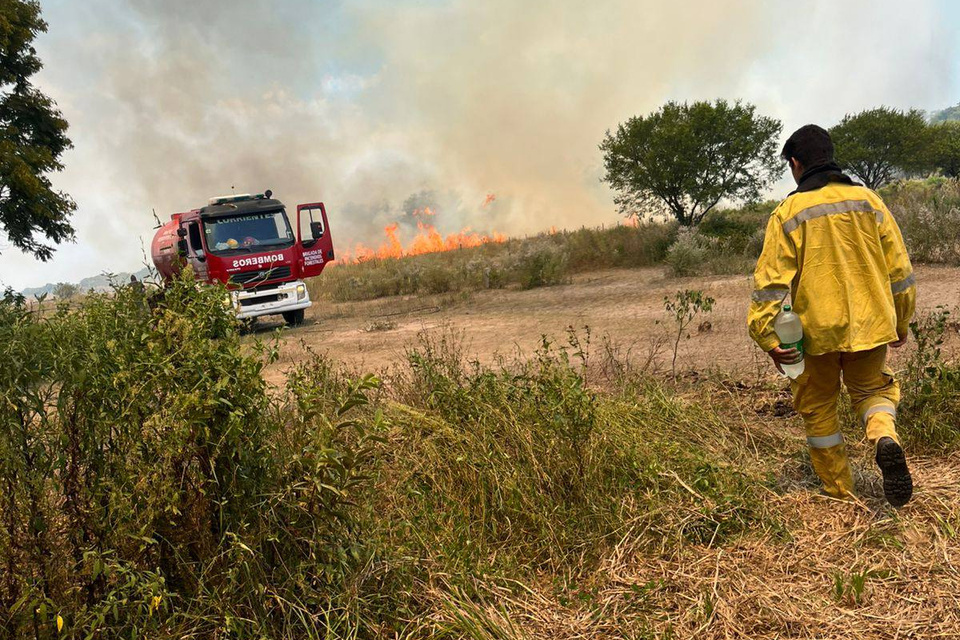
(366, 103)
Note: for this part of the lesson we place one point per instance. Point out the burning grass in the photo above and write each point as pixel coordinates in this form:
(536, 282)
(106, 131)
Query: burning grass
(427, 240)
(543, 260)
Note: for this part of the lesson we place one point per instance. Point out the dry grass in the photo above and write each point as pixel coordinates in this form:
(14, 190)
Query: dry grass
(824, 568)
(765, 587)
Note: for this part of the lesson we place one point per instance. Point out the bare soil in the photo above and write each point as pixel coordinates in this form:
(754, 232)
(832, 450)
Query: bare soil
(623, 306)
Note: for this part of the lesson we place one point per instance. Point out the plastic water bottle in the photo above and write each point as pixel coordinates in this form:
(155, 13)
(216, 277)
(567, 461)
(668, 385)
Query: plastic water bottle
(790, 333)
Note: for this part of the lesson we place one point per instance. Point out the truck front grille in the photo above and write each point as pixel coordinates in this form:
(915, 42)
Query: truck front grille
(260, 276)
(249, 302)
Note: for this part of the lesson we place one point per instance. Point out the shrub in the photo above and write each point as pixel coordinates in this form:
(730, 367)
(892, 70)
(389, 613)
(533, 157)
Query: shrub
(691, 251)
(682, 309)
(539, 265)
(737, 230)
(643, 245)
(931, 388)
(152, 487)
(929, 217)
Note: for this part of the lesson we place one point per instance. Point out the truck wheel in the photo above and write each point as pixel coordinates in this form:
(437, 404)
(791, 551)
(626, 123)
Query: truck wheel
(293, 318)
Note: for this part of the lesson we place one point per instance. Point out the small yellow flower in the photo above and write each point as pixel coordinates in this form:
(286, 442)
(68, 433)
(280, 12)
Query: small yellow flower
(155, 603)
(59, 624)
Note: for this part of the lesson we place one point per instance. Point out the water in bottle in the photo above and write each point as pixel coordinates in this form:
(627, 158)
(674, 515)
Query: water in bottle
(790, 333)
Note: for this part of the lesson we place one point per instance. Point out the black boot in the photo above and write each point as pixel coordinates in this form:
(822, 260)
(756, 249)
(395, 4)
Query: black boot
(897, 483)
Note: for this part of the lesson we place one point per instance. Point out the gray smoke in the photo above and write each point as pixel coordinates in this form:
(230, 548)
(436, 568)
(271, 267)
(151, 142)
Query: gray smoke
(377, 105)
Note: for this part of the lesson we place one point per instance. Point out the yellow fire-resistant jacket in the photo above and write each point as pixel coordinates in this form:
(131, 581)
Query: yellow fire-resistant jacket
(840, 254)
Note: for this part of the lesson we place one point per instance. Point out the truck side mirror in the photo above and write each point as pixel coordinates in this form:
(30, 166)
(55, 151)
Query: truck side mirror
(182, 246)
(181, 232)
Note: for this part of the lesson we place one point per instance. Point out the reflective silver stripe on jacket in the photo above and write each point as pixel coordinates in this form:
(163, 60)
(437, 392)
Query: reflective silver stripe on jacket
(830, 208)
(769, 295)
(880, 408)
(825, 442)
(902, 285)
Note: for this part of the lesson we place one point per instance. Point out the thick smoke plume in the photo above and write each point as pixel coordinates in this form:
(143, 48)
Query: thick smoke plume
(381, 107)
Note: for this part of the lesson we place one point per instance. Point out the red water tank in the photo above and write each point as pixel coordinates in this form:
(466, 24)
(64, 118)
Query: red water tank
(163, 249)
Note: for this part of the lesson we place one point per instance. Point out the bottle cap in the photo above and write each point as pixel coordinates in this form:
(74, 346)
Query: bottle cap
(787, 307)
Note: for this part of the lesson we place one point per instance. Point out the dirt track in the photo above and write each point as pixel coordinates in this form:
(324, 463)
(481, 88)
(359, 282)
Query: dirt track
(624, 305)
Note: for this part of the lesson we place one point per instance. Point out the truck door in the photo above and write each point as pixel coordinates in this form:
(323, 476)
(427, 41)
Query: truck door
(196, 254)
(313, 235)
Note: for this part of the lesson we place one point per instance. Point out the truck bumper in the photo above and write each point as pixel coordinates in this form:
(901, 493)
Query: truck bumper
(289, 296)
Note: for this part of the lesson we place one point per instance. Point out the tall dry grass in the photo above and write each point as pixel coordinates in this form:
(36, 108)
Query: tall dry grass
(727, 242)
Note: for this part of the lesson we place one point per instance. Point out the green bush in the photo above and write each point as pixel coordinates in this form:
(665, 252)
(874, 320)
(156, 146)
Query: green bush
(619, 246)
(930, 388)
(688, 255)
(737, 230)
(538, 265)
(152, 487)
(697, 254)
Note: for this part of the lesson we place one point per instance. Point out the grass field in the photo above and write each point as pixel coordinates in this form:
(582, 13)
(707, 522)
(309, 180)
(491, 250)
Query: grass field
(727, 242)
(480, 461)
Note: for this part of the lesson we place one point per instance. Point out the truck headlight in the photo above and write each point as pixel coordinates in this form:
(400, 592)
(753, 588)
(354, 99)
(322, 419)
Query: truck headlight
(301, 292)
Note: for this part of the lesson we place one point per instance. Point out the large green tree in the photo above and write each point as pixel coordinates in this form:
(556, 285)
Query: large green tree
(686, 158)
(881, 144)
(32, 139)
(946, 148)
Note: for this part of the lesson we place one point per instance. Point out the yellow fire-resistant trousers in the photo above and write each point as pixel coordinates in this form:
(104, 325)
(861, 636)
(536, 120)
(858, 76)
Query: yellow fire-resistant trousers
(874, 394)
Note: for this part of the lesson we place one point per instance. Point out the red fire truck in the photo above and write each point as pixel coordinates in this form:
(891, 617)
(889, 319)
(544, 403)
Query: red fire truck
(247, 242)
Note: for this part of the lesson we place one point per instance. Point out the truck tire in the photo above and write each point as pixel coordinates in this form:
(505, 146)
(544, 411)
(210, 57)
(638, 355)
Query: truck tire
(293, 318)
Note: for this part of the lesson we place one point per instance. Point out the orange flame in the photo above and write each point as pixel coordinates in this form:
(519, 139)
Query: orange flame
(490, 198)
(427, 240)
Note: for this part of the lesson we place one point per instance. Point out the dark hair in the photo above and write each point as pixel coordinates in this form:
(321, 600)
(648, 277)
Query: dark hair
(810, 145)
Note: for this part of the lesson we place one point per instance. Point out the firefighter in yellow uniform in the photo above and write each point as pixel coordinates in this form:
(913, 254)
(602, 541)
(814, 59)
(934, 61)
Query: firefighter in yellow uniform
(834, 247)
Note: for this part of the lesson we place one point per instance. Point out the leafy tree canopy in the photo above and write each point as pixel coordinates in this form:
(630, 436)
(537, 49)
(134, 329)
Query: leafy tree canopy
(881, 144)
(32, 139)
(946, 148)
(686, 158)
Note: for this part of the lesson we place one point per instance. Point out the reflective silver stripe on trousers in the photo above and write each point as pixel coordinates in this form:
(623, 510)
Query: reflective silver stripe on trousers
(830, 208)
(903, 285)
(880, 408)
(825, 442)
(769, 295)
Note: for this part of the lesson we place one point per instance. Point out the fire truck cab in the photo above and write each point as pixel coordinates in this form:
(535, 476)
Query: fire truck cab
(247, 242)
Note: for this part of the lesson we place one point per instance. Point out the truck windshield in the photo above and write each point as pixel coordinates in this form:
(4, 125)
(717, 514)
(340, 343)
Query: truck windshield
(248, 233)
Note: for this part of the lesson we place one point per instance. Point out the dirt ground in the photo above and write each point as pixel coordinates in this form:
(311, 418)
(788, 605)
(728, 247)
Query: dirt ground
(623, 307)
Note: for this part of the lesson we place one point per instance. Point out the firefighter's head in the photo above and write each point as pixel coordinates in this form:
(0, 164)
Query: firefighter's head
(810, 146)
